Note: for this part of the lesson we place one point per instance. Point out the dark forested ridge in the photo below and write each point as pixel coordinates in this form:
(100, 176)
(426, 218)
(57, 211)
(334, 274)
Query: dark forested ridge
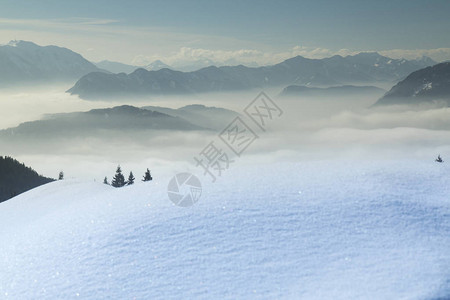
(16, 178)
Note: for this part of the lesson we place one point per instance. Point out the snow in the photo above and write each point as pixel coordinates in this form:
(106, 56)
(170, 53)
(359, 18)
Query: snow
(13, 43)
(425, 87)
(309, 230)
(30, 61)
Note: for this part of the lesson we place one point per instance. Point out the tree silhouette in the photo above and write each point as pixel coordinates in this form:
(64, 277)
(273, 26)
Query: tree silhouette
(105, 181)
(131, 179)
(118, 180)
(147, 176)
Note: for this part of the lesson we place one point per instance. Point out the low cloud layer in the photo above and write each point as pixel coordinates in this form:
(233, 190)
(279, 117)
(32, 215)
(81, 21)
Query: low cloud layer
(310, 129)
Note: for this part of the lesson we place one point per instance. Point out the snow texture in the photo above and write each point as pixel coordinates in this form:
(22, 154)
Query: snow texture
(314, 230)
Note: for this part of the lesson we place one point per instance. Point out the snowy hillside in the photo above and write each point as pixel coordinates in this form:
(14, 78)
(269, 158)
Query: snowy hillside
(315, 230)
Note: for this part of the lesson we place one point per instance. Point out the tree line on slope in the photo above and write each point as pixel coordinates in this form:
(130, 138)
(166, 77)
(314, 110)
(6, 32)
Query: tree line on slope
(119, 179)
(16, 178)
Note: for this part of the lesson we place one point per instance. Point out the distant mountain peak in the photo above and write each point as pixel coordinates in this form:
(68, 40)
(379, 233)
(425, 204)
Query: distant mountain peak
(296, 58)
(21, 43)
(426, 60)
(26, 62)
(157, 65)
(140, 71)
(13, 43)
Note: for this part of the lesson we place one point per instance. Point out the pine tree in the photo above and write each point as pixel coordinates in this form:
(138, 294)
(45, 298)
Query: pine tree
(147, 176)
(118, 180)
(105, 181)
(131, 179)
(61, 175)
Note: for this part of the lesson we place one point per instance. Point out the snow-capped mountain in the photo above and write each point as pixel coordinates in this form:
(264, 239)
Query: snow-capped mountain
(312, 230)
(377, 67)
(336, 70)
(428, 84)
(157, 65)
(26, 62)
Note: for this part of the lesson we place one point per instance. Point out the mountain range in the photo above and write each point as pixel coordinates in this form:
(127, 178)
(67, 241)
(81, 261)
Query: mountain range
(25, 62)
(425, 85)
(362, 68)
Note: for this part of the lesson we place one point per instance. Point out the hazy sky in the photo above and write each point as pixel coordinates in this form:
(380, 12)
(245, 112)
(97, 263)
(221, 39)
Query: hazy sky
(262, 31)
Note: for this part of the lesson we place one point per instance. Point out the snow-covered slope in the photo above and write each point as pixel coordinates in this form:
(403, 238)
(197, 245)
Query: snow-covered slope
(316, 230)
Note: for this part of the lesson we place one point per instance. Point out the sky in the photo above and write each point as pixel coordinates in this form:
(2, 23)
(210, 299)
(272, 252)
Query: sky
(262, 32)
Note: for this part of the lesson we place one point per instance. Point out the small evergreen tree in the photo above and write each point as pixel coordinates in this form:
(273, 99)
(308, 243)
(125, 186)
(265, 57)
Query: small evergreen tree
(147, 176)
(61, 175)
(131, 179)
(118, 179)
(105, 181)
